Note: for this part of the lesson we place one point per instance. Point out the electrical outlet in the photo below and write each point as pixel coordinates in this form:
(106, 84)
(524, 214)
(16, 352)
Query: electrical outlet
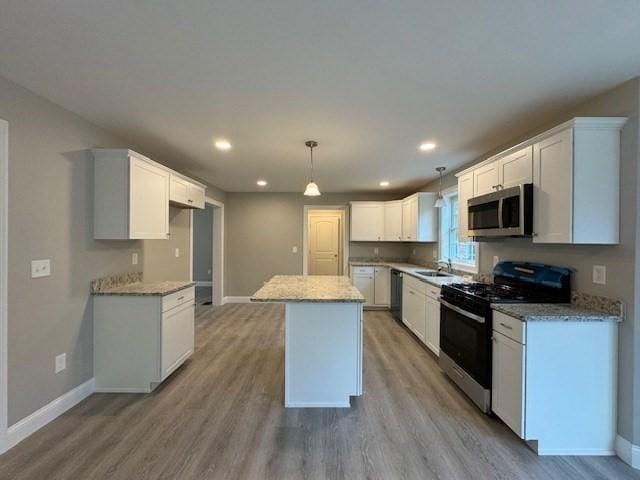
(434, 254)
(61, 362)
(177, 252)
(600, 274)
(376, 250)
(496, 259)
(413, 251)
(134, 258)
(40, 268)
(294, 249)
(209, 272)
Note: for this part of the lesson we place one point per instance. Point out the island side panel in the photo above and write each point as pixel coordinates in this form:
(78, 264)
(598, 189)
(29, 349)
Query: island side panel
(323, 354)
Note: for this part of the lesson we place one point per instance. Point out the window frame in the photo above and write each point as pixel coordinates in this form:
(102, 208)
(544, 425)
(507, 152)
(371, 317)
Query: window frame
(442, 251)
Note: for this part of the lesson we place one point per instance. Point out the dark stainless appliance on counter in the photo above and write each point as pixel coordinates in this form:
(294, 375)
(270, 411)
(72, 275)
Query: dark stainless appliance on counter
(466, 319)
(503, 213)
(396, 294)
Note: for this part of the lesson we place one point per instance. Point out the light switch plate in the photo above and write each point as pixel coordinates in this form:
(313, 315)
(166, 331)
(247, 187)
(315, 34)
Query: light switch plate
(496, 259)
(40, 268)
(376, 250)
(61, 362)
(177, 252)
(294, 249)
(134, 258)
(600, 274)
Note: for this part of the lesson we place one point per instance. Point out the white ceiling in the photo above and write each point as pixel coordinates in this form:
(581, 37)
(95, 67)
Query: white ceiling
(369, 79)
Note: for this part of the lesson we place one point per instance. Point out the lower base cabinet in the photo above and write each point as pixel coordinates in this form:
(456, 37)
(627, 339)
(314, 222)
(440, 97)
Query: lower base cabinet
(140, 340)
(374, 283)
(554, 383)
(421, 311)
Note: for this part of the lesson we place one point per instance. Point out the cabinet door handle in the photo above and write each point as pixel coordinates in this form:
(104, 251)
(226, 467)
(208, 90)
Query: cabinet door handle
(508, 327)
(181, 298)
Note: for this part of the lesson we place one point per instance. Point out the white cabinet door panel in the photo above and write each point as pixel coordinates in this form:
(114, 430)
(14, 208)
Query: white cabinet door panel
(507, 392)
(465, 192)
(197, 196)
(366, 285)
(381, 286)
(553, 189)
(410, 219)
(367, 221)
(432, 338)
(148, 200)
(393, 221)
(177, 337)
(516, 168)
(485, 178)
(414, 312)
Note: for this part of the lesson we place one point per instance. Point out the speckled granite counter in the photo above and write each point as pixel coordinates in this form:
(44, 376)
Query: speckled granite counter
(132, 284)
(411, 269)
(553, 312)
(311, 288)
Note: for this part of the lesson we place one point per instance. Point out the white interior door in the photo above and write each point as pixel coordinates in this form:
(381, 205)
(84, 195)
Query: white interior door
(325, 233)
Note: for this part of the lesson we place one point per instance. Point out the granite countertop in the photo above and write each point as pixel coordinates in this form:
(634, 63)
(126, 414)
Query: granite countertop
(411, 269)
(311, 288)
(145, 288)
(553, 312)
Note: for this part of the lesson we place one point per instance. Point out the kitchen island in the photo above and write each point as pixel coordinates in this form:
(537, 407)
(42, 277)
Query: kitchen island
(323, 338)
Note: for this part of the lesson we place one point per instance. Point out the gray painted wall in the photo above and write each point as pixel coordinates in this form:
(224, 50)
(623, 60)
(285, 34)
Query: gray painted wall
(202, 244)
(160, 262)
(622, 261)
(261, 228)
(50, 216)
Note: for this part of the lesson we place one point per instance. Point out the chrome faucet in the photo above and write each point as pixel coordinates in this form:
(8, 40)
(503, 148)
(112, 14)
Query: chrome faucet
(447, 263)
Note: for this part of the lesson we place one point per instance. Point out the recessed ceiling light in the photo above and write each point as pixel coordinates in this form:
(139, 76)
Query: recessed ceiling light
(384, 183)
(261, 183)
(425, 147)
(223, 144)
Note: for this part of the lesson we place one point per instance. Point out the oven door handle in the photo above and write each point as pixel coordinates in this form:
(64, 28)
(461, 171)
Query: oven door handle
(500, 219)
(462, 312)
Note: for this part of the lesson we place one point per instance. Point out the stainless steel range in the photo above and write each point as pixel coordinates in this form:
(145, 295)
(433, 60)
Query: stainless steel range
(466, 319)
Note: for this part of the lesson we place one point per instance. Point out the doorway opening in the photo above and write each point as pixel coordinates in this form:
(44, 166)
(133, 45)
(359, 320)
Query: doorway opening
(325, 246)
(207, 252)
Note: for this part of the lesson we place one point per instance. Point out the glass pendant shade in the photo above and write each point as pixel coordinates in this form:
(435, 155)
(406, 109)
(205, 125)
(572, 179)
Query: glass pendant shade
(439, 202)
(312, 190)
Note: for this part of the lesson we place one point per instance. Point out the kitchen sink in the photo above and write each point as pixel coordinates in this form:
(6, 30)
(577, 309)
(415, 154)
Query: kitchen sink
(431, 273)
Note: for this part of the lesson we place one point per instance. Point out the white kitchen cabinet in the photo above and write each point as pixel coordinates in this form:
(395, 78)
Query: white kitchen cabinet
(382, 286)
(576, 178)
(486, 179)
(131, 196)
(186, 193)
(465, 192)
(414, 310)
(419, 218)
(507, 392)
(363, 278)
(139, 340)
(554, 383)
(367, 221)
(432, 334)
(516, 168)
(393, 221)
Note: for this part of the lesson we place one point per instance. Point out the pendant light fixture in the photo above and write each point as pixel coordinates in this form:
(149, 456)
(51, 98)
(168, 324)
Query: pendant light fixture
(440, 200)
(312, 189)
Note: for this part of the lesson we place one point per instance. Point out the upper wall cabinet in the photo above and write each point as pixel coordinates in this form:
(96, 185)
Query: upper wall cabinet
(393, 221)
(131, 196)
(419, 218)
(576, 178)
(367, 221)
(575, 171)
(413, 219)
(186, 193)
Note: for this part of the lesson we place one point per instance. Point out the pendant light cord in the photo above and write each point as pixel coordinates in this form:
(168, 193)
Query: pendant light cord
(311, 148)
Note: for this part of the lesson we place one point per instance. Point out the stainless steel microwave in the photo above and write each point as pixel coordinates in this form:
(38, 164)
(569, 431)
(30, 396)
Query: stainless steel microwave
(505, 213)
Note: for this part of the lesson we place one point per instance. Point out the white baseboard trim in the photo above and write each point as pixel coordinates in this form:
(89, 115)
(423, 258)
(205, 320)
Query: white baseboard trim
(226, 300)
(628, 452)
(577, 452)
(38, 419)
(202, 283)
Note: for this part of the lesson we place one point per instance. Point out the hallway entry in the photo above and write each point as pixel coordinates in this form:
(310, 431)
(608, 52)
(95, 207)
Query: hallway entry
(325, 240)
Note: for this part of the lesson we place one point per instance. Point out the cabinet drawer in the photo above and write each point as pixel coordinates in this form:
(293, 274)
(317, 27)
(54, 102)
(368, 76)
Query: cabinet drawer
(432, 291)
(362, 270)
(181, 297)
(509, 326)
(414, 283)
